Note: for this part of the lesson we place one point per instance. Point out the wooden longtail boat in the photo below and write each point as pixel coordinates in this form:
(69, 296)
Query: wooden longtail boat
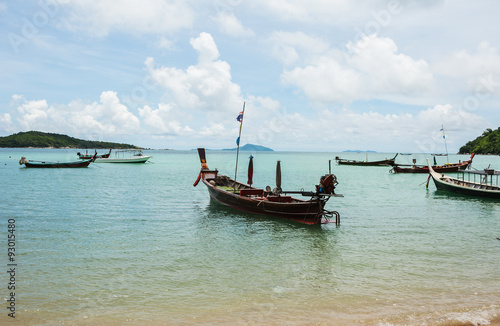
(447, 168)
(125, 156)
(389, 161)
(486, 188)
(88, 156)
(244, 197)
(45, 164)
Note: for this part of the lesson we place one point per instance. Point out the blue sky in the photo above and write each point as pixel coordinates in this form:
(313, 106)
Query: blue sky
(316, 75)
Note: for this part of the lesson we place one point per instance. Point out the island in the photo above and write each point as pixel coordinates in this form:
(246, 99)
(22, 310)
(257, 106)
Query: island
(358, 151)
(251, 148)
(40, 139)
(487, 143)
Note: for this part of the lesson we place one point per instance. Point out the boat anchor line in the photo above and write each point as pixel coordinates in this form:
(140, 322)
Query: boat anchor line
(325, 214)
(328, 215)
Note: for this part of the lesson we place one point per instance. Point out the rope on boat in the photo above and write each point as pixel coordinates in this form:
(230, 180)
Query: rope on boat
(328, 215)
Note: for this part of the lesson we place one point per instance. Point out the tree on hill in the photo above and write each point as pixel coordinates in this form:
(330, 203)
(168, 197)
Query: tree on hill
(43, 140)
(487, 143)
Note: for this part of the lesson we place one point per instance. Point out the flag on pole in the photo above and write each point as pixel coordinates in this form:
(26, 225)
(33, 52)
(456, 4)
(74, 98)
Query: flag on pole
(442, 129)
(239, 118)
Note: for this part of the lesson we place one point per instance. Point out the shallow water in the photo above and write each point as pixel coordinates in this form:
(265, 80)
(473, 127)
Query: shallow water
(117, 244)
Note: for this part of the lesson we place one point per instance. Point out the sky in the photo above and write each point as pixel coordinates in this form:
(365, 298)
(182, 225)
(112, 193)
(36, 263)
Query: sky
(314, 75)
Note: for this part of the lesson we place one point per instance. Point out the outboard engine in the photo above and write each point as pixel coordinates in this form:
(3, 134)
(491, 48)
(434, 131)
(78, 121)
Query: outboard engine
(327, 184)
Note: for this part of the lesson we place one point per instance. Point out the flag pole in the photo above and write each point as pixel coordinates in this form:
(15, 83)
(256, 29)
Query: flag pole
(445, 146)
(238, 143)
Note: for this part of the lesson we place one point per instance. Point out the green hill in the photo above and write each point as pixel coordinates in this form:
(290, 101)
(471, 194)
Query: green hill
(487, 143)
(43, 140)
(251, 148)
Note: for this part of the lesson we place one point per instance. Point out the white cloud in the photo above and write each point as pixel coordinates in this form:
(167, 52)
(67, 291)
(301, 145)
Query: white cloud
(206, 47)
(374, 71)
(165, 43)
(206, 86)
(453, 118)
(347, 129)
(329, 12)
(216, 129)
(230, 25)
(469, 66)
(327, 81)
(388, 71)
(34, 114)
(307, 10)
(267, 123)
(485, 60)
(100, 17)
(200, 98)
(293, 47)
(107, 117)
(5, 118)
(114, 112)
(6, 125)
(161, 121)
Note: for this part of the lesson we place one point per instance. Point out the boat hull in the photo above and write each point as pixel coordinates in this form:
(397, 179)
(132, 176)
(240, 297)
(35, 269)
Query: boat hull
(425, 169)
(91, 156)
(139, 159)
(447, 168)
(386, 162)
(444, 186)
(454, 185)
(361, 163)
(52, 165)
(308, 212)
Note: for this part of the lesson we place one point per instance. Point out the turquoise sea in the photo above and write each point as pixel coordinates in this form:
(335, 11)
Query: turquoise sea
(137, 244)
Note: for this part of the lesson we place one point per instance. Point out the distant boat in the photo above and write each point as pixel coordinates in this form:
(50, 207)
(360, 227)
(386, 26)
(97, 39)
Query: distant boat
(88, 156)
(244, 197)
(45, 164)
(125, 156)
(486, 188)
(386, 162)
(446, 168)
(405, 153)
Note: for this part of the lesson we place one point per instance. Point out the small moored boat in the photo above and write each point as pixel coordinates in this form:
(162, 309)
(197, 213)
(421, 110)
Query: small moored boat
(88, 156)
(446, 168)
(387, 161)
(125, 156)
(484, 188)
(46, 164)
(244, 197)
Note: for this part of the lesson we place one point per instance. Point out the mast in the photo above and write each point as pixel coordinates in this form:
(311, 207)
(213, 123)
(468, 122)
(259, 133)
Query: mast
(238, 142)
(445, 146)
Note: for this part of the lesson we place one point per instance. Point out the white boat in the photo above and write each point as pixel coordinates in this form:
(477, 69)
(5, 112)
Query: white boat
(125, 156)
